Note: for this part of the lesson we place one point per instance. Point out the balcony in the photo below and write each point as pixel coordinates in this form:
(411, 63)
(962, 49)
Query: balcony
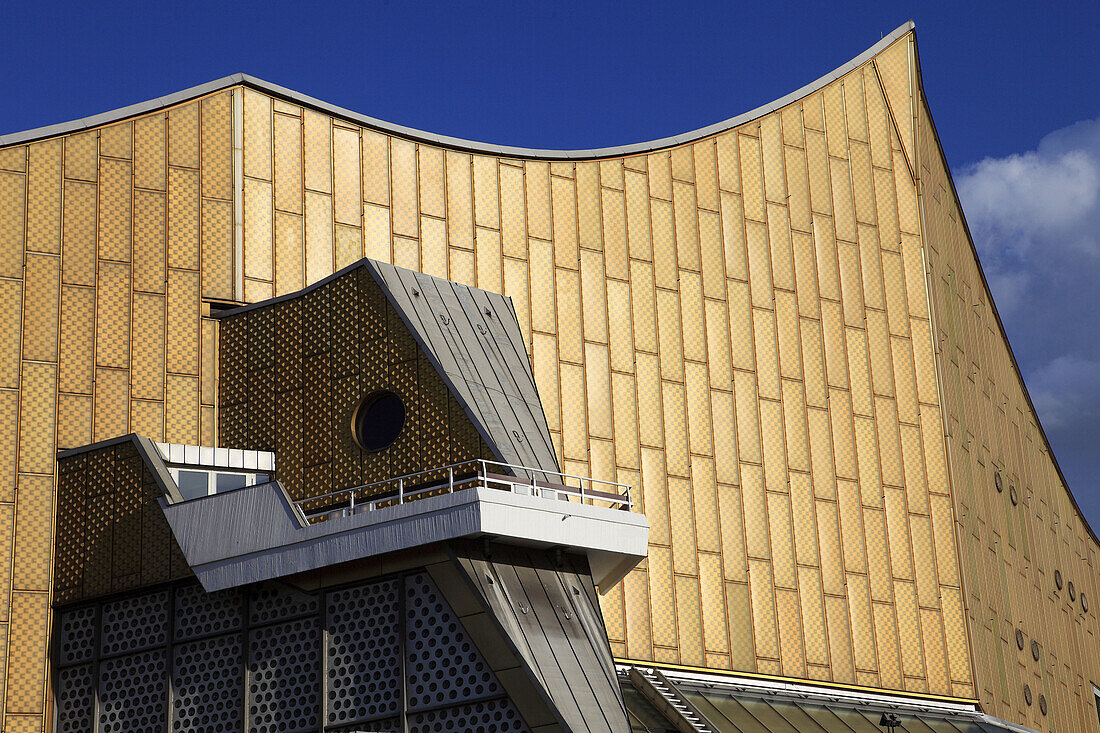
(256, 532)
(460, 476)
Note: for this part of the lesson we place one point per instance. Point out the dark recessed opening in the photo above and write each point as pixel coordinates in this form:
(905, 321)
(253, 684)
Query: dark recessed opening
(378, 421)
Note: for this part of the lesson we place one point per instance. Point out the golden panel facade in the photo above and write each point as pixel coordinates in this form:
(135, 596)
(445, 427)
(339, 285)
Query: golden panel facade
(740, 325)
(1019, 531)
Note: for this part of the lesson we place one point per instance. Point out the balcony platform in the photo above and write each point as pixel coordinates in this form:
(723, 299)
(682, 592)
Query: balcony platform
(257, 533)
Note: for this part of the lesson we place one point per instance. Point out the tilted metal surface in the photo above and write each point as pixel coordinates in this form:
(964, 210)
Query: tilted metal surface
(546, 611)
(474, 340)
(731, 705)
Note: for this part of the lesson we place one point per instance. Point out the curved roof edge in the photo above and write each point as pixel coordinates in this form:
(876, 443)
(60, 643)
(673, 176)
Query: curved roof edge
(447, 141)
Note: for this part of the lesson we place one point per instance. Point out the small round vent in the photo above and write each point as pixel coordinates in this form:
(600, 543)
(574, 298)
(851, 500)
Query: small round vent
(378, 421)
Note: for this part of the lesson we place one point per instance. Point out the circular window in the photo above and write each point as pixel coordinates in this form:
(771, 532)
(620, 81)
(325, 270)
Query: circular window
(378, 421)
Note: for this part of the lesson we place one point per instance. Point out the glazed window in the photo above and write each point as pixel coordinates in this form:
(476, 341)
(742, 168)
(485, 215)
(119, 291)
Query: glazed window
(378, 421)
(196, 482)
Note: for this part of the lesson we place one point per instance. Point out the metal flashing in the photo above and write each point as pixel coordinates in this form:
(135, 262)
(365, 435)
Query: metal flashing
(447, 141)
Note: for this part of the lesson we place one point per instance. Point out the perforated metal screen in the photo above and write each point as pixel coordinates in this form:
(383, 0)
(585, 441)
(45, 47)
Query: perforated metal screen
(364, 652)
(275, 659)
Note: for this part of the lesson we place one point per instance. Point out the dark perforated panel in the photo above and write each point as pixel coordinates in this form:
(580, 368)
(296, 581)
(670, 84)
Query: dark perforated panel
(75, 699)
(206, 685)
(182, 659)
(199, 613)
(364, 653)
(68, 572)
(492, 716)
(134, 623)
(275, 602)
(284, 691)
(443, 666)
(77, 635)
(132, 693)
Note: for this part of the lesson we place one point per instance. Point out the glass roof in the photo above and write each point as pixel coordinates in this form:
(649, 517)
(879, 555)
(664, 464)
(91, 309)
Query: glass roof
(736, 711)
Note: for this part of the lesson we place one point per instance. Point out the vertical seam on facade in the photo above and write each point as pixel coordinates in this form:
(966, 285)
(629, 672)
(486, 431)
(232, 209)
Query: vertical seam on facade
(237, 103)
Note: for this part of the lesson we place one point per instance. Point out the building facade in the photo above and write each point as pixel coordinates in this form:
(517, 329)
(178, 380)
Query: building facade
(775, 329)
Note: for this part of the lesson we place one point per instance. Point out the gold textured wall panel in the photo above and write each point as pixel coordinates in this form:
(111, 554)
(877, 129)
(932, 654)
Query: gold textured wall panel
(1018, 530)
(739, 325)
(737, 318)
(89, 226)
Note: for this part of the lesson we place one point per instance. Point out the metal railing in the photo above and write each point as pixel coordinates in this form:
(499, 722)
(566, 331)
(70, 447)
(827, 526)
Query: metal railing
(510, 477)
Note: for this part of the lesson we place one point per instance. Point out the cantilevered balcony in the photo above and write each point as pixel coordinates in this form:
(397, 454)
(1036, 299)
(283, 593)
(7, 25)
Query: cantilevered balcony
(256, 533)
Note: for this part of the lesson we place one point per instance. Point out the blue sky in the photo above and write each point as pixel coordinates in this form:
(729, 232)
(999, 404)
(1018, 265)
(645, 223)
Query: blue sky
(1013, 87)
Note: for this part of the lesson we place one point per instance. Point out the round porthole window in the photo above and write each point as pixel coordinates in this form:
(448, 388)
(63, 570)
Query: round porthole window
(378, 421)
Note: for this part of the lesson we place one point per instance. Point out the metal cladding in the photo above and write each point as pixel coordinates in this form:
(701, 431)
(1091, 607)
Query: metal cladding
(776, 327)
(382, 654)
(474, 340)
(548, 616)
(294, 370)
(112, 536)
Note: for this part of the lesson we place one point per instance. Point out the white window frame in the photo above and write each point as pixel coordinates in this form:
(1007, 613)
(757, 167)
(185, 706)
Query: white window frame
(251, 477)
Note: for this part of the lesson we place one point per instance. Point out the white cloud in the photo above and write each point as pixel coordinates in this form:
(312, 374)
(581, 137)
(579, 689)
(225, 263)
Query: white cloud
(1035, 218)
(1032, 192)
